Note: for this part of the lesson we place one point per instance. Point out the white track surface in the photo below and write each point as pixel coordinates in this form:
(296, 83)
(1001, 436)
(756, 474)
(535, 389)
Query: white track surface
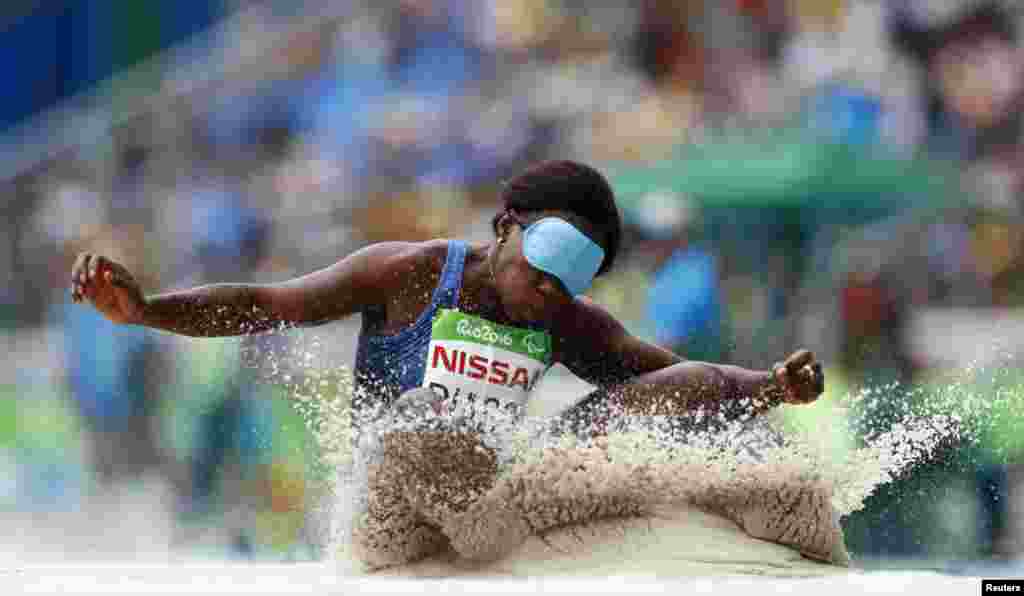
(323, 579)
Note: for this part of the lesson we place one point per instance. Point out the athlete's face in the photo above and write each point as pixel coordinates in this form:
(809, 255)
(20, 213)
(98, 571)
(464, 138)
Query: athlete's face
(527, 293)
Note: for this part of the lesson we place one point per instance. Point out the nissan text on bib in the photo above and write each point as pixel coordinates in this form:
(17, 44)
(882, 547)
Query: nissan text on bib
(473, 359)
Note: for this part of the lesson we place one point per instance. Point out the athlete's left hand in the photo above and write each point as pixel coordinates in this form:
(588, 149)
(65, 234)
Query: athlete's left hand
(800, 378)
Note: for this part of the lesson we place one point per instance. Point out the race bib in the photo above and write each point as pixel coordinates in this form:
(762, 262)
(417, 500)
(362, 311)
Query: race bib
(474, 359)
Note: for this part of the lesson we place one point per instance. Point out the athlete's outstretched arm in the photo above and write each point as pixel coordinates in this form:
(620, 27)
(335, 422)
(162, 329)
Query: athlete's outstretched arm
(352, 284)
(643, 377)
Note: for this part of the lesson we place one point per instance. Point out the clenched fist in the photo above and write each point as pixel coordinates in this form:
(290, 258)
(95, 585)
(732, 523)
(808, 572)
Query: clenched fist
(108, 286)
(799, 378)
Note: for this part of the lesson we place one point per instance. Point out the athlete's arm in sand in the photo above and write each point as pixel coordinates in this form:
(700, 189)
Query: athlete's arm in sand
(645, 377)
(365, 278)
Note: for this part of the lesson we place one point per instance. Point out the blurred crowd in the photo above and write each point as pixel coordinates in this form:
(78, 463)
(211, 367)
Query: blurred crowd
(819, 173)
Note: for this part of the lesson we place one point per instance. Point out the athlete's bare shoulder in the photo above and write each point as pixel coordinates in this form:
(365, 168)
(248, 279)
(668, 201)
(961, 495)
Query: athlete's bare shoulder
(588, 322)
(399, 279)
(397, 264)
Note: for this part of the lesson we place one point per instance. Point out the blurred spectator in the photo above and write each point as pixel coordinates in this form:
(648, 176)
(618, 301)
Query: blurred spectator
(874, 317)
(995, 242)
(345, 99)
(974, 77)
(134, 182)
(1012, 544)
(433, 55)
(221, 426)
(684, 310)
(114, 372)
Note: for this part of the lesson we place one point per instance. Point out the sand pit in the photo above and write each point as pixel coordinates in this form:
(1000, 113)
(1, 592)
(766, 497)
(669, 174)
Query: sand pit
(440, 505)
(726, 503)
(680, 541)
(634, 502)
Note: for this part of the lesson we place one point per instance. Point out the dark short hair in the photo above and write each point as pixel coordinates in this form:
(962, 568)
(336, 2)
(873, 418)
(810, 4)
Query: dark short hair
(571, 187)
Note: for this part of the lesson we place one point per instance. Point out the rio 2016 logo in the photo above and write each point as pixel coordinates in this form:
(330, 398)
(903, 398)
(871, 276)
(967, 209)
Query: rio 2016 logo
(482, 332)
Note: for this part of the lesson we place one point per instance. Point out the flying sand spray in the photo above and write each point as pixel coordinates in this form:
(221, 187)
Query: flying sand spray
(481, 481)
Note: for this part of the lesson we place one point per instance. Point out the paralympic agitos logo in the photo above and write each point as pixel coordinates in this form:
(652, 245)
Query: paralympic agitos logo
(533, 344)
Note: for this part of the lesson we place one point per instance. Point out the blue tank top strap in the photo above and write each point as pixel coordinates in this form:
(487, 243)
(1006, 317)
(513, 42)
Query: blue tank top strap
(446, 294)
(388, 365)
